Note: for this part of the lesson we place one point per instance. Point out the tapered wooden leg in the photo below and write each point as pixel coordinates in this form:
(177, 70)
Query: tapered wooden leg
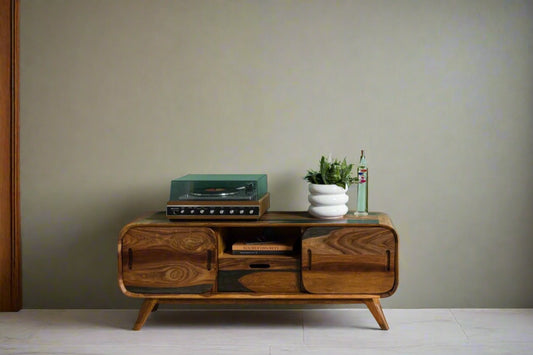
(374, 306)
(148, 305)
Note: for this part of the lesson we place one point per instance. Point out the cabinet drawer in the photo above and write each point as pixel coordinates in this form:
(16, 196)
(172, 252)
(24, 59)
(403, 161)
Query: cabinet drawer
(261, 273)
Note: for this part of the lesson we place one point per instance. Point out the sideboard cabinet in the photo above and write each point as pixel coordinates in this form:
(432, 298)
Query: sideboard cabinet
(341, 261)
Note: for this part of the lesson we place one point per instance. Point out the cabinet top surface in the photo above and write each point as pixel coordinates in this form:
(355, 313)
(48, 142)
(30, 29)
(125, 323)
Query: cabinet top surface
(285, 218)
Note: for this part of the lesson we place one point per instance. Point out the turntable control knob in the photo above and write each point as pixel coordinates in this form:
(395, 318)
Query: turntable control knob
(182, 211)
(202, 211)
(211, 211)
(251, 211)
(221, 211)
(241, 211)
(231, 211)
(192, 211)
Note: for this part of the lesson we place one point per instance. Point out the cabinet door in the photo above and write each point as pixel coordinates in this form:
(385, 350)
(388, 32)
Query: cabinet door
(358, 260)
(169, 260)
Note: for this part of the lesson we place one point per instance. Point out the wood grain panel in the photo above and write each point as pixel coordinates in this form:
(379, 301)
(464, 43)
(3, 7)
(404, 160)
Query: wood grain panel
(274, 262)
(359, 263)
(282, 281)
(353, 241)
(267, 297)
(169, 257)
(349, 260)
(10, 271)
(258, 273)
(265, 281)
(348, 282)
(272, 219)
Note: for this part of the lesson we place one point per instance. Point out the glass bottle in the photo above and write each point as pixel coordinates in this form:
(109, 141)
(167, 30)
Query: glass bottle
(362, 187)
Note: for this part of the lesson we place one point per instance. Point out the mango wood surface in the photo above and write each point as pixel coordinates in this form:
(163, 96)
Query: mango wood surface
(287, 281)
(147, 307)
(282, 281)
(259, 273)
(374, 306)
(349, 260)
(269, 219)
(169, 257)
(343, 261)
(251, 298)
(244, 262)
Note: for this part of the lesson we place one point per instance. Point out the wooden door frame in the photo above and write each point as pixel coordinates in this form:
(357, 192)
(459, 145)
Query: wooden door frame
(10, 259)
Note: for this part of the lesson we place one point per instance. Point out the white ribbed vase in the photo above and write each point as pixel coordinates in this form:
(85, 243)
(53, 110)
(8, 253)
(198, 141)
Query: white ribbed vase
(327, 201)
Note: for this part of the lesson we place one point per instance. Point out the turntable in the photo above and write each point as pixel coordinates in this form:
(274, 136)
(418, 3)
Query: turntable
(218, 196)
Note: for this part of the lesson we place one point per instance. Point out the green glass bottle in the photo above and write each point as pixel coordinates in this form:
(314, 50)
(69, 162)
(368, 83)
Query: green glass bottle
(362, 187)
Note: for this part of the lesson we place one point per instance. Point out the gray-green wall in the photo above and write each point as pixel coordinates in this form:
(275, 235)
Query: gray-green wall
(120, 96)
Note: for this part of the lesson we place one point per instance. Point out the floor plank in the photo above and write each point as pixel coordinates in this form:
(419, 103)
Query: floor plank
(268, 332)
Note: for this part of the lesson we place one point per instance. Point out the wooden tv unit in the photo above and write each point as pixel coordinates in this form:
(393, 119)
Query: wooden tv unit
(341, 261)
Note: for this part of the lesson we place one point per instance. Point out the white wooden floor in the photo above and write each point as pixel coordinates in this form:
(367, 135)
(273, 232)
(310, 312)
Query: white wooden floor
(265, 332)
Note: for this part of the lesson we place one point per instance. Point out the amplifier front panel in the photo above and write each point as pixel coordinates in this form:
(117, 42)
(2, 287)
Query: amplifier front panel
(216, 212)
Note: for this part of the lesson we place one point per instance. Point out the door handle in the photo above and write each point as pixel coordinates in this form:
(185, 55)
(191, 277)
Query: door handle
(209, 254)
(130, 258)
(259, 266)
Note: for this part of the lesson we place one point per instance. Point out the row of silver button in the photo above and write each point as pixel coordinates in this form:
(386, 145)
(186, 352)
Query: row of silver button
(213, 211)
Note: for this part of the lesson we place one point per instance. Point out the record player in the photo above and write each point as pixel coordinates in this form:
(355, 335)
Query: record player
(218, 196)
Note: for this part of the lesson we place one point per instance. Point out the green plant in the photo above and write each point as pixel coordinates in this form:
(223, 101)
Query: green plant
(332, 172)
